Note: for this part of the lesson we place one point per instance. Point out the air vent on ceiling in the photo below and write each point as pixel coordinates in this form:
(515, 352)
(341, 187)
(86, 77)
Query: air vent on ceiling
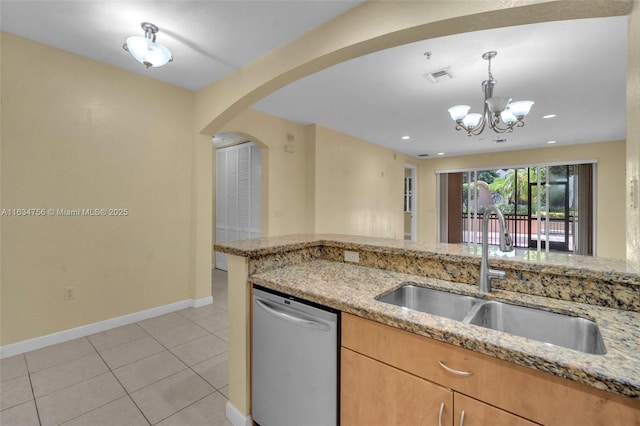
(423, 155)
(438, 76)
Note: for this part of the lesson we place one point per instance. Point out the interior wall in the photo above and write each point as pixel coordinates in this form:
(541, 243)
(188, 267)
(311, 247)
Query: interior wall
(78, 134)
(201, 214)
(610, 186)
(284, 172)
(330, 183)
(358, 187)
(633, 138)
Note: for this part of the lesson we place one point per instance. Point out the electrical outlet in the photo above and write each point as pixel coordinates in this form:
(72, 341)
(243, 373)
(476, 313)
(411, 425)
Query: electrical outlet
(69, 293)
(351, 256)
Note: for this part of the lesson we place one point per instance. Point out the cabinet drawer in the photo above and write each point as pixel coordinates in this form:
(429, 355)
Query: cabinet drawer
(535, 395)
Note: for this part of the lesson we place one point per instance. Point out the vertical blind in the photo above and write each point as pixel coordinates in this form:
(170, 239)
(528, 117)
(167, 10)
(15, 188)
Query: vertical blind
(238, 195)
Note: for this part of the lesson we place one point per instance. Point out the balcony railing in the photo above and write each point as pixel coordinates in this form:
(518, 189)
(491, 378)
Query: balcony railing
(561, 231)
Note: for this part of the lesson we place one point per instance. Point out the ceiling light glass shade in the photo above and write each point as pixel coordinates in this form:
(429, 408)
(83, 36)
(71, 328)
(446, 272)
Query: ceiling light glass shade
(520, 108)
(458, 112)
(497, 104)
(508, 117)
(472, 120)
(147, 52)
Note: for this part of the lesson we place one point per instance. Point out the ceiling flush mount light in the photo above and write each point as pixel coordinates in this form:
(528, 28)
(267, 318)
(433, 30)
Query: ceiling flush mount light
(146, 50)
(500, 114)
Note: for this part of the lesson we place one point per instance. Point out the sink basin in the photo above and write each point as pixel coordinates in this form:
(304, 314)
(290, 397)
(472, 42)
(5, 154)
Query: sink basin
(549, 327)
(435, 302)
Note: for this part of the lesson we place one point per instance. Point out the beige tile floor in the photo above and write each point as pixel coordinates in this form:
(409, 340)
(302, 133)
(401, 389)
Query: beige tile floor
(167, 370)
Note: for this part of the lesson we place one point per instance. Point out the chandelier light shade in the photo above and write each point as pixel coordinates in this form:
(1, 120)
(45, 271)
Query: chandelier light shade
(146, 50)
(499, 113)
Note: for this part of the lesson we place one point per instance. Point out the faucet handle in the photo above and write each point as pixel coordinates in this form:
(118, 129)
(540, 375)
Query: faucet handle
(506, 242)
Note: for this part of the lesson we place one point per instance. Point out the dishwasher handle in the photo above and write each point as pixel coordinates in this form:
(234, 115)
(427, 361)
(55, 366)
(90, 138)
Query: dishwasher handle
(286, 316)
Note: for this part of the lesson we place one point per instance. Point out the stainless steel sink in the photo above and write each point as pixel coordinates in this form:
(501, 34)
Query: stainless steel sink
(549, 327)
(435, 302)
(558, 329)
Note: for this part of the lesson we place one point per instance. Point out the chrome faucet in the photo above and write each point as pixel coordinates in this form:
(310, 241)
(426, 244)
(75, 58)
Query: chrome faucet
(506, 244)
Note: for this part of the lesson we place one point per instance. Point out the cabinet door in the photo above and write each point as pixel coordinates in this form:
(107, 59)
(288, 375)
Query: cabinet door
(471, 412)
(373, 393)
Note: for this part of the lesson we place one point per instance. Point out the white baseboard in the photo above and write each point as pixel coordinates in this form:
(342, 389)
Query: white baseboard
(236, 417)
(202, 302)
(96, 327)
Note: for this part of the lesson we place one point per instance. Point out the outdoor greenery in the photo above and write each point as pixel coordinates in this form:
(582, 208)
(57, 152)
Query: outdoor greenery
(510, 192)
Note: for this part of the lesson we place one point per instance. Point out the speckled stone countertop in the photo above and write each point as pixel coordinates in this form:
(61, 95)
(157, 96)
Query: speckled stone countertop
(353, 289)
(312, 267)
(531, 260)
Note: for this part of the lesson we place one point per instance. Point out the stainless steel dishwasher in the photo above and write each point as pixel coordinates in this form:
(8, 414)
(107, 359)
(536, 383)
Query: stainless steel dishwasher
(294, 361)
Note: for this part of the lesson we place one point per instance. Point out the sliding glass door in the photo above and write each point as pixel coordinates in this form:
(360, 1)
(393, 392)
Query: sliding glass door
(547, 207)
(550, 217)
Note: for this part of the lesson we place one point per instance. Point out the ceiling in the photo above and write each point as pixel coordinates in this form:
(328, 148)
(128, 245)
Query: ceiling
(574, 69)
(208, 39)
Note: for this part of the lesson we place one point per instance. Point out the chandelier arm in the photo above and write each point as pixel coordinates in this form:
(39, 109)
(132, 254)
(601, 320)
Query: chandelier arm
(501, 130)
(495, 126)
(509, 128)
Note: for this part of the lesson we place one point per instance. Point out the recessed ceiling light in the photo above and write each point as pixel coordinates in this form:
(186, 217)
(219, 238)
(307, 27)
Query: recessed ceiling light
(441, 153)
(406, 137)
(549, 116)
(551, 141)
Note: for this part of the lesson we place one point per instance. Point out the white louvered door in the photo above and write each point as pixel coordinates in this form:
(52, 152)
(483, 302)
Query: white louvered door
(238, 195)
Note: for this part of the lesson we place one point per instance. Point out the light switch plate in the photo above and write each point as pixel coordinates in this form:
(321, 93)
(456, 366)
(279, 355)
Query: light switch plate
(351, 256)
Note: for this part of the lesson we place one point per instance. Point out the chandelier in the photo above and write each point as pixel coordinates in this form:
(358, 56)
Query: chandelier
(500, 114)
(147, 50)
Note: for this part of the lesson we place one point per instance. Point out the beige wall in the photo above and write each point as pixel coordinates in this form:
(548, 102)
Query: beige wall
(610, 187)
(79, 134)
(331, 183)
(358, 186)
(633, 137)
(284, 173)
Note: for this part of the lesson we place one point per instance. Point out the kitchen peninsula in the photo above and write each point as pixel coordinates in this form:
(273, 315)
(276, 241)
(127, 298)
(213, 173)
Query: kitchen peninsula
(313, 267)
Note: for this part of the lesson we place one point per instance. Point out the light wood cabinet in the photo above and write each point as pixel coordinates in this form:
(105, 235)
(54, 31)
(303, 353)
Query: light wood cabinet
(523, 392)
(373, 393)
(471, 412)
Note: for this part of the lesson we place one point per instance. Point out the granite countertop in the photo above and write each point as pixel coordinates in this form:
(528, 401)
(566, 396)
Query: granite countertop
(528, 260)
(353, 289)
